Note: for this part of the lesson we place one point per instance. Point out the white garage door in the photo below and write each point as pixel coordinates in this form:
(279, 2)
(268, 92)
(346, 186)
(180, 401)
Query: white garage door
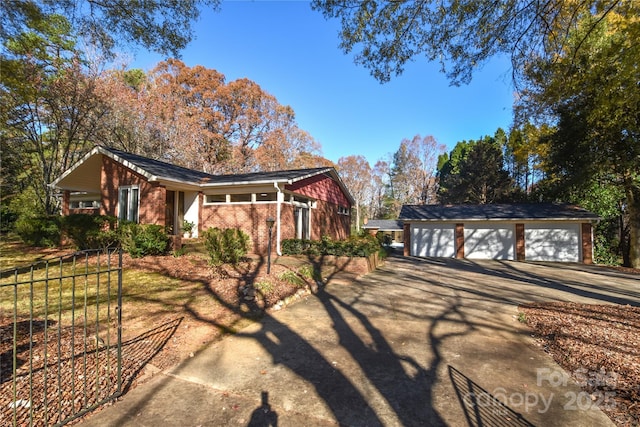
(486, 240)
(433, 240)
(552, 242)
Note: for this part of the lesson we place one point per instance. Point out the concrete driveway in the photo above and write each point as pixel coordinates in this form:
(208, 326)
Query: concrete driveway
(417, 342)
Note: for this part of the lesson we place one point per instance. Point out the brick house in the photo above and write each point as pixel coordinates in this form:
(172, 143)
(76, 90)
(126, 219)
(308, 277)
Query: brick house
(304, 203)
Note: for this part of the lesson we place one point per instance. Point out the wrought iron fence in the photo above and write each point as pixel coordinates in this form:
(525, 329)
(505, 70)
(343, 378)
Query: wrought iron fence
(60, 338)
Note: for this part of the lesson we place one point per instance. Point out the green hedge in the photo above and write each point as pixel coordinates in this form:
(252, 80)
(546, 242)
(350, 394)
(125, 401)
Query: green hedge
(90, 231)
(39, 230)
(353, 247)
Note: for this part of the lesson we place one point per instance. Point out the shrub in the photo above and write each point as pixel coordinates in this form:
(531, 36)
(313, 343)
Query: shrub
(292, 278)
(143, 239)
(7, 218)
(90, 231)
(40, 230)
(226, 246)
(352, 247)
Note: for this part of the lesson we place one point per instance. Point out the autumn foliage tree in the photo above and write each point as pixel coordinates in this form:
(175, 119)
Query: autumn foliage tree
(192, 117)
(355, 171)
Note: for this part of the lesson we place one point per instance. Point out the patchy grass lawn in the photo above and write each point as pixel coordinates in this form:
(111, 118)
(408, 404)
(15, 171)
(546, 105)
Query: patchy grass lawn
(172, 307)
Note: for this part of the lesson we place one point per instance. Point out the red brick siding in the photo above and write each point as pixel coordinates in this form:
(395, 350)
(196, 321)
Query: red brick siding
(326, 221)
(587, 244)
(520, 251)
(152, 196)
(321, 187)
(250, 218)
(459, 241)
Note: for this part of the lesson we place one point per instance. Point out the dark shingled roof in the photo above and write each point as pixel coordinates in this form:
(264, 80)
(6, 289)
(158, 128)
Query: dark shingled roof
(383, 224)
(517, 211)
(280, 176)
(162, 169)
(178, 173)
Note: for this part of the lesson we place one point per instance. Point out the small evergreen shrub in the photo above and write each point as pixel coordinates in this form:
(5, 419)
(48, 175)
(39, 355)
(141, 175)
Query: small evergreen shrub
(39, 230)
(362, 246)
(226, 246)
(90, 231)
(143, 239)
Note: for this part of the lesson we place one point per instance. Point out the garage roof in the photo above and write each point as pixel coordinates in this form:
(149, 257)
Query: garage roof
(512, 211)
(383, 224)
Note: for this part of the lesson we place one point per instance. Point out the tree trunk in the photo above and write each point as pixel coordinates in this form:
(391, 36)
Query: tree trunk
(633, 206)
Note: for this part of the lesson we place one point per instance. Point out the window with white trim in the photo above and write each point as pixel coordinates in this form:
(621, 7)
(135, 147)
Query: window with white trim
(343, 211)
(84, 204)
(128, 203)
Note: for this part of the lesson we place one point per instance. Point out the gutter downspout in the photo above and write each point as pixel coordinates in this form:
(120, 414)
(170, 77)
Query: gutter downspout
(278, 194)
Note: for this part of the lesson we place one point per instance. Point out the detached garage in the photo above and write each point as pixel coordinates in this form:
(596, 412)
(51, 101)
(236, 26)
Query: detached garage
(523, 232)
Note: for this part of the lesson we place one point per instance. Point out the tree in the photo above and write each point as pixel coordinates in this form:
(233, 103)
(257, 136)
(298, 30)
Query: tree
(356, 174)
(50, 109)
(461, 34)
(159, 25)
(477, 176)
(591, 95)
(426, 150)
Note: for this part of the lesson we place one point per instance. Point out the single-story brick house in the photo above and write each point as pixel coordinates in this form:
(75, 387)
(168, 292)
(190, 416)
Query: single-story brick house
(523, 232)
(305, 203)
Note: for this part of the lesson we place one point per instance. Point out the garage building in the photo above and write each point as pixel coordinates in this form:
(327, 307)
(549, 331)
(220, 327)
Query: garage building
(523, 232)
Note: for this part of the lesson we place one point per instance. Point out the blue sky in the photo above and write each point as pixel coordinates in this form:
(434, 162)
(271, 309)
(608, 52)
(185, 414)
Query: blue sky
(292, 53)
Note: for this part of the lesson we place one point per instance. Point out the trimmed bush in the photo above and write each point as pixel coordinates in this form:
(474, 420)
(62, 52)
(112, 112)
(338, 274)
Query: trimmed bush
(353, 247)
(90, 231)
(143, 239)
(40, 230)
(226, 246)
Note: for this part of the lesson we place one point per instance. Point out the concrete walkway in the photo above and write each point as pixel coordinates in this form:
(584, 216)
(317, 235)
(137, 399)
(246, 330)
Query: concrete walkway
(415, 343)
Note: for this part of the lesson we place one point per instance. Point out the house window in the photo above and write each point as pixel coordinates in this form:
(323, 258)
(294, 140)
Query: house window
(302, 223)
(240, 198)
(266, 197)
(215, 198)
(84, 204)
(343, 211)
(128, 201)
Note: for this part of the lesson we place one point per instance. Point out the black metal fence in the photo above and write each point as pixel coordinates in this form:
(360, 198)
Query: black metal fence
(60, 338)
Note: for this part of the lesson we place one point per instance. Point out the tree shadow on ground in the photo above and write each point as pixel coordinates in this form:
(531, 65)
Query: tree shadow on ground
(480, 407)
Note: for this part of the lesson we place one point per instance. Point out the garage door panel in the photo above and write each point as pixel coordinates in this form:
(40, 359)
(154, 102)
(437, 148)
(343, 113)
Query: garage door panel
(489, 241)
(552, 242)
(433, 241)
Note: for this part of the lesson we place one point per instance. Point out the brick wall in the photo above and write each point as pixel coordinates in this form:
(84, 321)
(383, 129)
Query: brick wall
(326, 221)
(152, 196)
(250, 218)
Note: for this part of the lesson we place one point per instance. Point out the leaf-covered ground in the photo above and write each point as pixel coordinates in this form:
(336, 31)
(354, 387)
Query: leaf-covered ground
(599, 346)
